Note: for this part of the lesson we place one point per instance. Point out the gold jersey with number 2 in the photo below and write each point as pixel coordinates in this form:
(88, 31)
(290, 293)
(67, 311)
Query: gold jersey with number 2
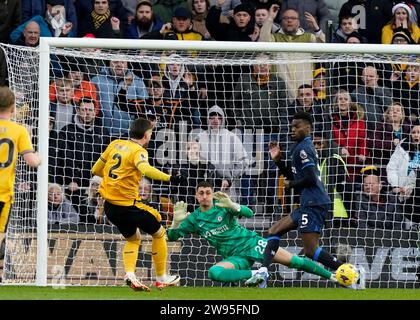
(121, 166)
(14, 140)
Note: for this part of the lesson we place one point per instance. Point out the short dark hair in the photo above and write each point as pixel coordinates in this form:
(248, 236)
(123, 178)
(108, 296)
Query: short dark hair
(301, 115)
(204, 184)
(85, 100)
(305, 86)
(139, 127)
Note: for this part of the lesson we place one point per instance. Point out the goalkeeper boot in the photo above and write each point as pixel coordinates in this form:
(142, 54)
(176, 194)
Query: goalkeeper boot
(168, 281)
(258, 279)
(131, 280)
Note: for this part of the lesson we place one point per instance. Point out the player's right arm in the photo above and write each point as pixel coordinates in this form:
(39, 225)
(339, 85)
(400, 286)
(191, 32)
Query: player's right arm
(25, 148)
(98, 167)
(151, 172)
(32, 159)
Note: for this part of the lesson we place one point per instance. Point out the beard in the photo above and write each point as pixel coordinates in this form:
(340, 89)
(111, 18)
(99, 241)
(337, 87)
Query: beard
(144, 23)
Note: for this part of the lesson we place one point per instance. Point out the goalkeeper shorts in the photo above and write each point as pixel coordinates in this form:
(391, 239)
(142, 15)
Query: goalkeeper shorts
(4, 215)
(128, 218)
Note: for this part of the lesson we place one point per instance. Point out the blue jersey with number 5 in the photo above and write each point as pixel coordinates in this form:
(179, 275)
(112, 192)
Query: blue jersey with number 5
(304, 155)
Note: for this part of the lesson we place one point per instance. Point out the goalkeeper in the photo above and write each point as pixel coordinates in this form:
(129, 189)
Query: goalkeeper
(238, 246)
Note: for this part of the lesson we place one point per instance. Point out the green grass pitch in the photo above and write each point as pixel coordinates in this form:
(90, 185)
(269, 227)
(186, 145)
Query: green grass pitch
(206, 293)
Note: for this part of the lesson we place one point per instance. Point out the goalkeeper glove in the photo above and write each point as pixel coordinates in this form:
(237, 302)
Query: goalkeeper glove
(178, 179)
(180, 213)
(226, 202)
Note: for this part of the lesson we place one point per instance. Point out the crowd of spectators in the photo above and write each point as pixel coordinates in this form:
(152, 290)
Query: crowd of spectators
(366, 114)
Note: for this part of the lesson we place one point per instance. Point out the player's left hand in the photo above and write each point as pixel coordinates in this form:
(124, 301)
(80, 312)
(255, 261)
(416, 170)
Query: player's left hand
(180, 213)
(178, 179)
(224, 201)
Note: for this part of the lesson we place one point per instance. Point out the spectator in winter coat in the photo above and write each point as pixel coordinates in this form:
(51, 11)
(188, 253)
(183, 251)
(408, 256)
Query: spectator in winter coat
(377, 209)
(293, 74)
(402, 18)
(223, 153)
(372, 97)
(101, 22)
(403, 172)
(32, 8)
(199, 11)
(80, 145)
(116, 86)
(349, 131)
(389, 133)
(241, 27)
(317, 8)
(60, 210)
(144, 22)
(370, 15)
(54, 24)
(10, 18)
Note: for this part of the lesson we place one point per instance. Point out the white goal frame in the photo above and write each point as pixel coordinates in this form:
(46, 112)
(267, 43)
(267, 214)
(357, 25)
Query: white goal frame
(44, 63)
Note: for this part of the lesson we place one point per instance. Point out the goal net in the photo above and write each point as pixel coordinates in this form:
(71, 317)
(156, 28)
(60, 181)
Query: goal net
(215, 109)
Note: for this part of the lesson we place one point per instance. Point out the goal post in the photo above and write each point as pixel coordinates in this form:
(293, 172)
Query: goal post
(88, 252)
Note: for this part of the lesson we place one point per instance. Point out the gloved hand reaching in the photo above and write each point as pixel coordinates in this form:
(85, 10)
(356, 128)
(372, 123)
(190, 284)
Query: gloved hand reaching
(224, 201)
(180, 213)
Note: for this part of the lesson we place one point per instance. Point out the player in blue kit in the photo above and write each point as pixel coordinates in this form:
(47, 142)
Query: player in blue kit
(309, 218)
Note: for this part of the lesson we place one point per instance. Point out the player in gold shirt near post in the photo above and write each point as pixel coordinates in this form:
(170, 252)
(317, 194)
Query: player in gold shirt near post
(121, 166)
(14, 140)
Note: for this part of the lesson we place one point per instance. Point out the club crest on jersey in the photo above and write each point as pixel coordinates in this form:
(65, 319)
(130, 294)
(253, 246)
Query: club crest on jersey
(219, 218)
(303, 154)
(142, 157)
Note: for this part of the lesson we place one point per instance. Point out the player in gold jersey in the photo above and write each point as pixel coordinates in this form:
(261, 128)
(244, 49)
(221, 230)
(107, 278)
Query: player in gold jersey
(121, 166)
(14, 140)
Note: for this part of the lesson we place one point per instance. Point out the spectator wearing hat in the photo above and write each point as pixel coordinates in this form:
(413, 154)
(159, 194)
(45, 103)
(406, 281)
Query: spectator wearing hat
(370, 15)
(144, 22)
(402, 36)
(402, 17)
(405, 85)
(319, 85)
(53, 23)
(181, 28)
(240, 28)
(101, 22)
(318, 9)
(32, 8)
(293, 74)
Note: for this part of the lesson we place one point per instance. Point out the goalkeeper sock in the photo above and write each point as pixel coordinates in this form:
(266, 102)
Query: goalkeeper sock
(159, 252)
(130, 253)
(326, 259)
(273, 243)
(218, 273)
(309, 266)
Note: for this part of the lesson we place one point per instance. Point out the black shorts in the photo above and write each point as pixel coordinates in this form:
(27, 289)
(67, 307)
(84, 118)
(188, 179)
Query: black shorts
(128, 219)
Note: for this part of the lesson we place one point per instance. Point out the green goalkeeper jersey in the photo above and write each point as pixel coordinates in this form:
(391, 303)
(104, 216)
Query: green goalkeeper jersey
(221, 229)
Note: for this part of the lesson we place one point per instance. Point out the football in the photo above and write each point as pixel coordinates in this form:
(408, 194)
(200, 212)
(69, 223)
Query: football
(346, 274)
